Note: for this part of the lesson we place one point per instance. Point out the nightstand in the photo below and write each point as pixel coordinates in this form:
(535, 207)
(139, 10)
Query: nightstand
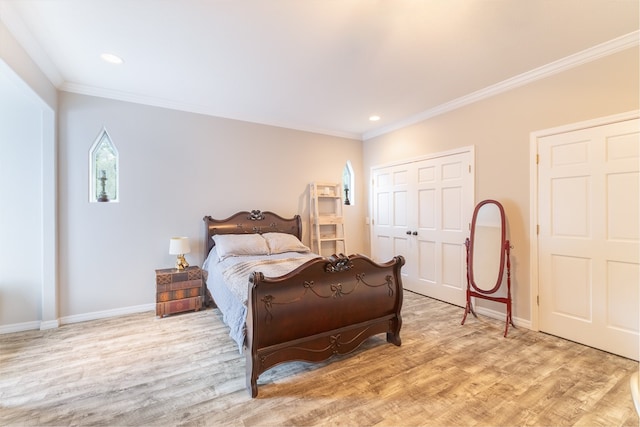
(179, 290)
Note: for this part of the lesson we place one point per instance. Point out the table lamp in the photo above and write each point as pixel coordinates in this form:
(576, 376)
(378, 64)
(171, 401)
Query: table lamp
(180, 246)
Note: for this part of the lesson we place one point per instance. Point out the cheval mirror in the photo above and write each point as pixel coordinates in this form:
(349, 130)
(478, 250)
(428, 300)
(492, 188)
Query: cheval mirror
(487, 257)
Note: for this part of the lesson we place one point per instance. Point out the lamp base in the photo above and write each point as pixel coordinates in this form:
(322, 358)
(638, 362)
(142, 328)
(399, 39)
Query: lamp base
(181, 263)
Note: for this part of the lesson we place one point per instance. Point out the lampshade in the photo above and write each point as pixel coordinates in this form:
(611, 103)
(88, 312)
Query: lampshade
(179, 246)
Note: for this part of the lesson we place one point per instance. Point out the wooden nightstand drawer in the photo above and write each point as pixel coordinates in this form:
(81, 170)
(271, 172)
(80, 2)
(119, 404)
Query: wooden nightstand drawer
(179, 294)
(178, 306)
(179, 285)
(170, 275)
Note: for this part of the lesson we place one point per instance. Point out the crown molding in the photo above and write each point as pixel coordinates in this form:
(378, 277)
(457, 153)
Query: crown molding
(18, 29)
(596, 52)
(16, 26)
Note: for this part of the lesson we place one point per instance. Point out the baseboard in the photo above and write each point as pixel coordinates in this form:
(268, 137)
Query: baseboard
(523, 323)
(20, 327)
(52, 324)
(95, 315)
(49, 324)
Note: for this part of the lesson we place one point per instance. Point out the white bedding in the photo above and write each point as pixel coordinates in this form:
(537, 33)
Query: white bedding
(228, 282)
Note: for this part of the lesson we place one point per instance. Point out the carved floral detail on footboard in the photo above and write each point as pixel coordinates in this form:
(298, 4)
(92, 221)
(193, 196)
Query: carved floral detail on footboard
(338, 263)
(334, 345)
(337, 291)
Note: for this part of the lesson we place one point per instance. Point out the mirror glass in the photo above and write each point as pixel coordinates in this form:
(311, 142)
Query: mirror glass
(487, 246)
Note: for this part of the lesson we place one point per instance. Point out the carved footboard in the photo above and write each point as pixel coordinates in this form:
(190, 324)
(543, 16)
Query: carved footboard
(325, 307)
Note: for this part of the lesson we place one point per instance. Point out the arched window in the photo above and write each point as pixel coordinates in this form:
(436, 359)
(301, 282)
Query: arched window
(348, 184)
(103, 170)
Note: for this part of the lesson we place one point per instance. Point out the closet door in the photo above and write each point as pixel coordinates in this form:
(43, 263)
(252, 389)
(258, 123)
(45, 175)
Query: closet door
(589, 234)
(393, 205)
(421, 210)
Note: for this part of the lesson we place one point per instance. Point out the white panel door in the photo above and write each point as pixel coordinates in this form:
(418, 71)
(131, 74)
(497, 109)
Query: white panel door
(422, 211)
(589, 235)
(390, 200)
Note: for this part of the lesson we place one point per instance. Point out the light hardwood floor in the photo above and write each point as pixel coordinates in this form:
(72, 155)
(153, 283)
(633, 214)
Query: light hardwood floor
(185, 370)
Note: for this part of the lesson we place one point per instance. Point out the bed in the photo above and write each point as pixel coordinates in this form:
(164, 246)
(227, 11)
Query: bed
(292, 304)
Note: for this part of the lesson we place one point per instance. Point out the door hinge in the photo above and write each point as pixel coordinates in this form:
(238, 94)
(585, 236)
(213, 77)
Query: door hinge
(538, 299)
(537, 159)
(469, 168)
(537, 229)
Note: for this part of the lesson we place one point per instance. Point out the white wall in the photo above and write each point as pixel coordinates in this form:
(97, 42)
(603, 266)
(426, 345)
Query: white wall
(175, 168)
(20, 206)
(28, 295)
(500, 127)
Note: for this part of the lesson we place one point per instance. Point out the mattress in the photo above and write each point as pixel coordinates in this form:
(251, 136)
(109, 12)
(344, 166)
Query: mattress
(228, 282)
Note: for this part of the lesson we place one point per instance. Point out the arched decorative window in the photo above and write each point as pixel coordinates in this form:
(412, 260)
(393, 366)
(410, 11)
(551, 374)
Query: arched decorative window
(348, 184)
(103, 170)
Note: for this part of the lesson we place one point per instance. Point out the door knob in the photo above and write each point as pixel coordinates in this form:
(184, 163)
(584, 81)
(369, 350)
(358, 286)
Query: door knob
(409, 232)
(415, 233)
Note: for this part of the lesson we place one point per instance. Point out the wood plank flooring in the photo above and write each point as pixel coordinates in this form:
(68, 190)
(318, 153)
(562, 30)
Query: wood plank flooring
(185, 370)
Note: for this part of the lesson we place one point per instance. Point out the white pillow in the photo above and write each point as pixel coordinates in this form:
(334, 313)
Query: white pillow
(283, 242)
(240, 244)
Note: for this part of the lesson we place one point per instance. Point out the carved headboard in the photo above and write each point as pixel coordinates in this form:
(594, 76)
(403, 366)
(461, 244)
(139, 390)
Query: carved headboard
(246, 222)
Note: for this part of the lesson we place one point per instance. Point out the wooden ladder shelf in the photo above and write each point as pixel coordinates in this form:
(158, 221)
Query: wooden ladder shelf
(326, 218)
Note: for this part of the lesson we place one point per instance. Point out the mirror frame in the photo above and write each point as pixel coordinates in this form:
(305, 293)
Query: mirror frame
(473, 291)
(503, 245)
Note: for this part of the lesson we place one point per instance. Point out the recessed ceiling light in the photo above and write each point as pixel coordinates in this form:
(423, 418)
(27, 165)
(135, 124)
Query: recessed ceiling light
(374, 118)
(111, 58)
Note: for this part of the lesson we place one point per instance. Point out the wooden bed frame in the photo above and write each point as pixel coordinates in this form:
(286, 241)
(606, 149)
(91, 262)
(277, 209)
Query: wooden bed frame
(325, 307)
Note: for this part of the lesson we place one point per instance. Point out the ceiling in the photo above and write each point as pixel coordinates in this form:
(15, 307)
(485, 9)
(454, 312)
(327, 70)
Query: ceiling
(317, 65)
